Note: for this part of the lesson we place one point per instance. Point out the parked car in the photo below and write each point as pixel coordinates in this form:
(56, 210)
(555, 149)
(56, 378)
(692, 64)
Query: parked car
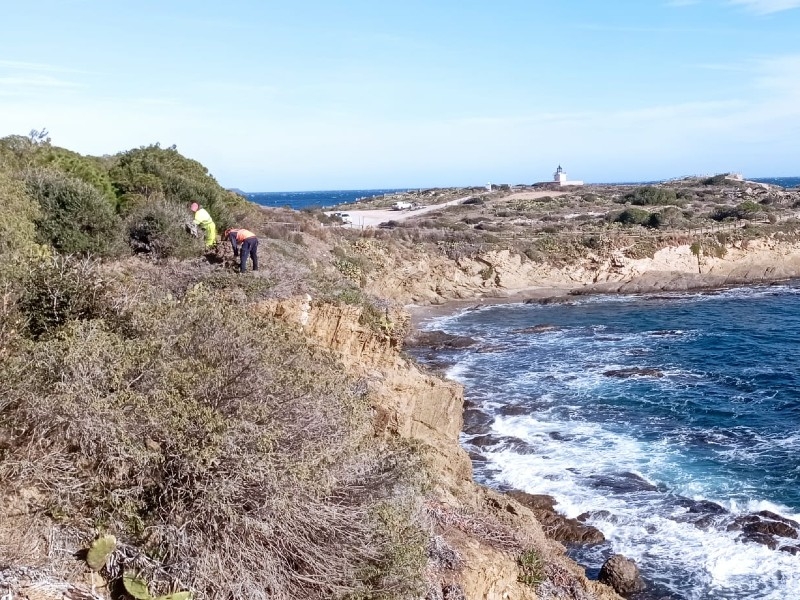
(401, 205)
(345, 217)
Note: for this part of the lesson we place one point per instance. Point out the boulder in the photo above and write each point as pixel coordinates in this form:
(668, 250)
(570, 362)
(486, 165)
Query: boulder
(764, 526)
(555, 525)
(622, 574)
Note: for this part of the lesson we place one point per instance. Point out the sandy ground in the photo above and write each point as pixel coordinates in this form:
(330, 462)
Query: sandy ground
(372, 218)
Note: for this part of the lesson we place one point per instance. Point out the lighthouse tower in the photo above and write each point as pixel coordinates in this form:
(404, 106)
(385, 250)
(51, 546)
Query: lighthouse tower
(560, 178)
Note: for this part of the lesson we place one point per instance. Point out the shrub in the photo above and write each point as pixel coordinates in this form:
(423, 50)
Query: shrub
(76, 218)
(143, 173)
(18, 212)
(59, 289)
(217, 442)
(160, 228)
(744, 210)
(719, 179)
(650, 195)
(669, 217)
(633, 216)
(531, 568)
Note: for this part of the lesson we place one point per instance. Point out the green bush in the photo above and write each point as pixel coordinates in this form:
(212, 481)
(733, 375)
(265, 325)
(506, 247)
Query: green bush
(86, 168)
(160, 229)
(18, 213)
(720, 179)
(144, 173)
(633, 216)
(744, 210)
(651, 195)
(76, 217)
(667, 218)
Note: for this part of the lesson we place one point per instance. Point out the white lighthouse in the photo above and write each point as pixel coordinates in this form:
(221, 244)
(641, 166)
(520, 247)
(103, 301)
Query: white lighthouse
(560, 177)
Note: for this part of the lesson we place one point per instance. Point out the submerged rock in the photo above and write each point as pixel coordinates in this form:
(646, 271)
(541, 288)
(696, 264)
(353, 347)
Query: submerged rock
(537, 329)
(634, 372)
(622, 483)
(482, 441)
(622, 574)
(513, 410)
(477, 421)
(764, 527)
(438, 340)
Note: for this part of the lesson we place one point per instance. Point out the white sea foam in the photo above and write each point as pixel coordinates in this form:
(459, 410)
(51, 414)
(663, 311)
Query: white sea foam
(642, 525)
(593, 450)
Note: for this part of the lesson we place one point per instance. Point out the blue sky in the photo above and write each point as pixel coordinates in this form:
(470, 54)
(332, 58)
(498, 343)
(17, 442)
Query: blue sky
(305, 94)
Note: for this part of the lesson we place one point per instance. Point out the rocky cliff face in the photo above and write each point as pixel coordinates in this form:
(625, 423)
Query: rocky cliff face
(489, 533)
(430, 278)
(488, 546)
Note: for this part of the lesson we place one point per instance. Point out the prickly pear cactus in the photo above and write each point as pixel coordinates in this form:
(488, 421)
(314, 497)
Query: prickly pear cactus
(136, 586)
(99, 551)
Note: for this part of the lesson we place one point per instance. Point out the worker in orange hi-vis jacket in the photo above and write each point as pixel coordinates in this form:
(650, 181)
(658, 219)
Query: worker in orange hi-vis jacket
(245, 243)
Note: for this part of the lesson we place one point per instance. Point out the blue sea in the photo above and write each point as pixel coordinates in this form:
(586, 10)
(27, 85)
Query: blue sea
(328, 198)
(713, 416)
(300, 200)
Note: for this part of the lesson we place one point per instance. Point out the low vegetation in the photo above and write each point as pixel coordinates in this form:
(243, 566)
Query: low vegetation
(147, 398)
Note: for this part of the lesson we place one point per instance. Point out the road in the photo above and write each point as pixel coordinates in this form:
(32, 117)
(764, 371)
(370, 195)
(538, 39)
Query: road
(372, 218)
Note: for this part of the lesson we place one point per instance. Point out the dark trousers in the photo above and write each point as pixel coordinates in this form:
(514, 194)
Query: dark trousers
(249, 248)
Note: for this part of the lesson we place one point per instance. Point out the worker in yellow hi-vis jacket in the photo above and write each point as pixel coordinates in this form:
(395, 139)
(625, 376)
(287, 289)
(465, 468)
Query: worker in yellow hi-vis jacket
(206, 223)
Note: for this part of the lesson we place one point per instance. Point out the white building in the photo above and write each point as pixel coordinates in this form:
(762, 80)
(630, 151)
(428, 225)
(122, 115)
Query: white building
(560, 177)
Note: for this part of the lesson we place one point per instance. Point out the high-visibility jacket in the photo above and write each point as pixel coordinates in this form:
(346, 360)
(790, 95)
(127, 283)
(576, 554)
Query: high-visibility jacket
(242, 234)
(237, 236)
(202, 218)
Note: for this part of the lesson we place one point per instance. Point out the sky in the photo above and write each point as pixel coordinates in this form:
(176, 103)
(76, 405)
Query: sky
(361, 94)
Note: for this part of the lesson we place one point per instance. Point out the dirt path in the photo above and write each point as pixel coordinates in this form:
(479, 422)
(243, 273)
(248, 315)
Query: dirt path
(362, 219)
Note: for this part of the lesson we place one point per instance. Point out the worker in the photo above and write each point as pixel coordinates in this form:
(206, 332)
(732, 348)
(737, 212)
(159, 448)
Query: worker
(206, 223)
(245, 243)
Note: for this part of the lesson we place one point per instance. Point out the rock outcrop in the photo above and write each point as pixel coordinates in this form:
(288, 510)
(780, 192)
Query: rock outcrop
(622, 574)
(480, 533)
(430, 278)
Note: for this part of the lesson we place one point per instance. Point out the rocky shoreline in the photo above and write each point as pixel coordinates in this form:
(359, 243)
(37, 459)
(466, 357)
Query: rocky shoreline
(764, 527)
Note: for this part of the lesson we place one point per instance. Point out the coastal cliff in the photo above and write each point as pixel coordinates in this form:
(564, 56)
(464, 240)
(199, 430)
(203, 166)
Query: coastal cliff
(422, 278)
(487, 545)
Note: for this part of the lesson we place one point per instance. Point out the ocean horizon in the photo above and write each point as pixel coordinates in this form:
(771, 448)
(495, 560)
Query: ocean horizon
(328, 198)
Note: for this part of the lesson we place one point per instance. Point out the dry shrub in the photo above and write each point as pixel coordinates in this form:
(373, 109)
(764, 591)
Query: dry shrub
(46, 292)
(216, 441)
(159, 228)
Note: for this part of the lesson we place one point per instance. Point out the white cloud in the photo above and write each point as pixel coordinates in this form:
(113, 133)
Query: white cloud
(19, 65)
(765, 7)
(35, 81)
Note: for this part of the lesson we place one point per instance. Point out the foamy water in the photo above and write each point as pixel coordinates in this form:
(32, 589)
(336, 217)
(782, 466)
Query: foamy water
(715, 420)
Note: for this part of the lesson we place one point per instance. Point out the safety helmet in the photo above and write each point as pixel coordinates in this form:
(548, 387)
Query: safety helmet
(195, 207)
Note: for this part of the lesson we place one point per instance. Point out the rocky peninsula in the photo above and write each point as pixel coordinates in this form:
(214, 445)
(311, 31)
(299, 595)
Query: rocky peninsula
(172, 429)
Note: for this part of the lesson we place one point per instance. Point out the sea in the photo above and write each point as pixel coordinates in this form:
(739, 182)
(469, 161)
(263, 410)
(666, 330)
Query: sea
(320, 199)
(659, 419)
(329, 198)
